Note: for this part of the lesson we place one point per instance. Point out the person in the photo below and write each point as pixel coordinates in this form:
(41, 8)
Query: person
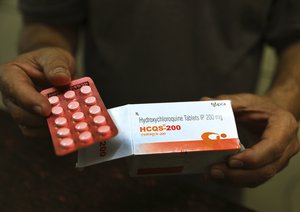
(158, 51)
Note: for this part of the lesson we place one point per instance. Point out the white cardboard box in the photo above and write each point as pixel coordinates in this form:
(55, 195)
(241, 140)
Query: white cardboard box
(168, 138)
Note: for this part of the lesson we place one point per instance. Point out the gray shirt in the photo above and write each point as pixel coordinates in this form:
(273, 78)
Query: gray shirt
(172, 50)
(169, 50)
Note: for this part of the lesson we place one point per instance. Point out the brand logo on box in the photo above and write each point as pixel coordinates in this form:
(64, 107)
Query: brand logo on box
(160, 128)
(218, 104)
(212, 136)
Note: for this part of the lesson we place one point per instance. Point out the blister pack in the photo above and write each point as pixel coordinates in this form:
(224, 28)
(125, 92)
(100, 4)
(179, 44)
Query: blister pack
(78, 117)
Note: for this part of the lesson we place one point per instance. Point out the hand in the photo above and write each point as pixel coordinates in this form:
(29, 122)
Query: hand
(20, 80)
(276, 130)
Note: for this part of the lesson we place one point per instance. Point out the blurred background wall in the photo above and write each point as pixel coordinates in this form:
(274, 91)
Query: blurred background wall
(282, 193)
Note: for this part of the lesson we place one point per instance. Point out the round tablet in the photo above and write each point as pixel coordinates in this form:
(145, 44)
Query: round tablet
(60, 121)
(53, 100)
(69, 94)
(78, 116)
(63, 132)
(91, 100)
(104, 130)
(74, 105)
(85, 89)
(57, 110)
(94, 110)
(99, 120)
(81, 126)
(85, 136)
(67, 143)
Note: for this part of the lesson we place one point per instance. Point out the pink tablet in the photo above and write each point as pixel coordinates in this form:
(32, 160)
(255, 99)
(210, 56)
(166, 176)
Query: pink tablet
(78, 117)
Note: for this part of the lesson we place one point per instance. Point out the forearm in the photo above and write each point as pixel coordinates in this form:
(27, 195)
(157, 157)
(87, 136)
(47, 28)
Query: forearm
(37, 35)
(285, 89)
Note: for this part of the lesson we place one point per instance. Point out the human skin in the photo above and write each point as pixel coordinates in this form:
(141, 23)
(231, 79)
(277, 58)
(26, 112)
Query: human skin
(273, 119)
(47, 59)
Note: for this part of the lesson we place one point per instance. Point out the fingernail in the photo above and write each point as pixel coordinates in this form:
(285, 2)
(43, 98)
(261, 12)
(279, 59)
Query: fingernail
(217, 174)
(60, 76)
(38, 110)
(59, 71)
(236, 163)
(206, 98)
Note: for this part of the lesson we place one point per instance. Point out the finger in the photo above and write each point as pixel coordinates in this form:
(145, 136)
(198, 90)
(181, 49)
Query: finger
(241, 102)
(24, 117)
(242, 177)
(18, 87)
(252, 177)
(205, 98)
(35, 133)
(31, 69)
(238, 101)
(281, 130)
(280, 127)
(242, 105)
(57, 64)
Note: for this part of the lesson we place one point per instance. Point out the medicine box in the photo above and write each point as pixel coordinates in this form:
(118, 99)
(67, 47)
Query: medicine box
(168, 138)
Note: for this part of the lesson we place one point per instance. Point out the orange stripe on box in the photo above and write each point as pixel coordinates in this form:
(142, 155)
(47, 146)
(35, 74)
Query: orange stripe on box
(161, 170)
(187, 146)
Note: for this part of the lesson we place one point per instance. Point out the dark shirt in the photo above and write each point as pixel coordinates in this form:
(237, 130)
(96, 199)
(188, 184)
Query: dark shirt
(169, 50)
(172, 50)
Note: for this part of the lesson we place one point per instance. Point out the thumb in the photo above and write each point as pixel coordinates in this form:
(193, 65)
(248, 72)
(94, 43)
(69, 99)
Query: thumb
(57, 64)
(238, 101)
